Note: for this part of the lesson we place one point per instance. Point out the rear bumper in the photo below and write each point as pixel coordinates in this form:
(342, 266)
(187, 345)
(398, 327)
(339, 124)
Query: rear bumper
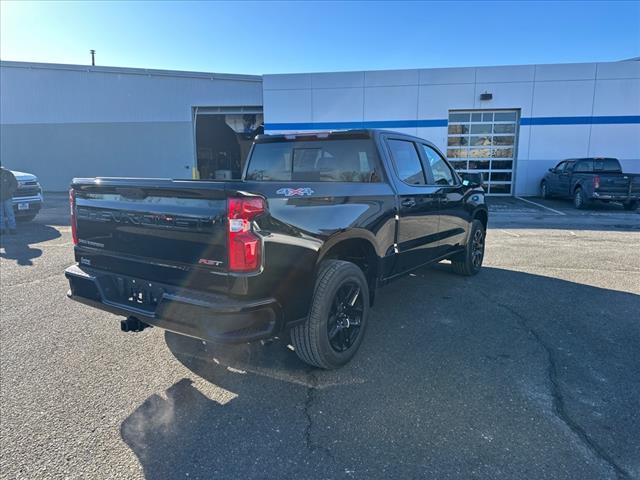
(615, 197)
(211, 317)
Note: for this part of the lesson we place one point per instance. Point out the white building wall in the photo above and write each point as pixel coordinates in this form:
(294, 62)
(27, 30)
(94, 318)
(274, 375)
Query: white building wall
(566, 110)
(60, 121)
(65, 121)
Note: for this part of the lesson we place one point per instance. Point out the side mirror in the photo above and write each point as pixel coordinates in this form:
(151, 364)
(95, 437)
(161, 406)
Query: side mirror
(552, 170)
(472, 180)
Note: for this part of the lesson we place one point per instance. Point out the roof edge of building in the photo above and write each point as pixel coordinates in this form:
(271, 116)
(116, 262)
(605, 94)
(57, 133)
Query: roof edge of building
(469, 67)
(131, 71)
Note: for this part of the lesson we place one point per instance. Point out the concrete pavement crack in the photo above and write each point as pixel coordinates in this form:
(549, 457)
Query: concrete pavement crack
(559, 406)
(308, 436)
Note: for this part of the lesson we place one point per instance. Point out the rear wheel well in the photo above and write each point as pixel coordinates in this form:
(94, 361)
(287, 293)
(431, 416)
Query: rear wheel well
(360, 252)
(482, 216)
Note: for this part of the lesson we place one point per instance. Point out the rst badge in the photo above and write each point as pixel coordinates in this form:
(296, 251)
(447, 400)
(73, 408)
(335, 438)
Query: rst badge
(210, 263)
(295, 192)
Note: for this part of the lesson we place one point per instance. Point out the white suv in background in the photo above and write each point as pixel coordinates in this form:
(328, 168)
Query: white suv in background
(27, 199)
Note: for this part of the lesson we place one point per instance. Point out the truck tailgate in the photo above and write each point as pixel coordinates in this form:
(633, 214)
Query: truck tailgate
(614, 183)
(162, 230)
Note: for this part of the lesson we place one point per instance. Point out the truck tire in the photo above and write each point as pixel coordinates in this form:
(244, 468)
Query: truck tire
(469, 261)
(579, 200)
(337, 319)
(544, 190)
(632, 205)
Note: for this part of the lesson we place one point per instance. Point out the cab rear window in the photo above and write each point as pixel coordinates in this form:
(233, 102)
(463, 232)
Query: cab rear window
(343, 160)
(606, 165)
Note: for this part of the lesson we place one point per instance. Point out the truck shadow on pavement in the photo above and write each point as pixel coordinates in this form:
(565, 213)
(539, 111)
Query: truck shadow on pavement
(19, 247)
(502, 375)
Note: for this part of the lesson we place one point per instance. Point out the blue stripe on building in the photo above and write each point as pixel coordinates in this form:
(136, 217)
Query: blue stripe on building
(602, 120)
(526, 121)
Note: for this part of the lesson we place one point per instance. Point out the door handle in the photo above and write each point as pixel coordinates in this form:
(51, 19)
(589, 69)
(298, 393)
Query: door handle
(408, 202)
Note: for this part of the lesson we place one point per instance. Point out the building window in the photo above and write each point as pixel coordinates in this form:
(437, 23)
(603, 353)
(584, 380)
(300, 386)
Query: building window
(484, 141)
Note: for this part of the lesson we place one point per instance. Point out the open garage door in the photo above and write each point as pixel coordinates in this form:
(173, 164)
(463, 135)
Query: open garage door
(223, 137)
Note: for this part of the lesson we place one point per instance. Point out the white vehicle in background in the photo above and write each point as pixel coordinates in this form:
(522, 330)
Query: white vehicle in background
(27, 199)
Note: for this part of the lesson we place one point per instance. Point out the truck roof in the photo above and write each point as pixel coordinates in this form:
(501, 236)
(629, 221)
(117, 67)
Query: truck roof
(589, 158)
(324, 134)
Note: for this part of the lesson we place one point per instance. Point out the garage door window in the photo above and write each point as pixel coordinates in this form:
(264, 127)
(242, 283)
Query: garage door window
(484, 142)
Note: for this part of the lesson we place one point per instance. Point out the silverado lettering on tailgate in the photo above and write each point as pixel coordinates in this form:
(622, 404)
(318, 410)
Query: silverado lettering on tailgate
(153, 220)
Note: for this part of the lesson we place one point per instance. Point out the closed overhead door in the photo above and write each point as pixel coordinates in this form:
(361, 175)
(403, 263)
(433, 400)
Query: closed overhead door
(485, 141)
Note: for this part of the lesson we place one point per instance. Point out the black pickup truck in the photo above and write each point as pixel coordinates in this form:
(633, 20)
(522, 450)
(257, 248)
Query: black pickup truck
(300, 244)
(589, 179)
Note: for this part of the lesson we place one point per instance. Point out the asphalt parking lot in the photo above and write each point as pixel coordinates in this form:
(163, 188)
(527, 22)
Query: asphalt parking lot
(528, 370)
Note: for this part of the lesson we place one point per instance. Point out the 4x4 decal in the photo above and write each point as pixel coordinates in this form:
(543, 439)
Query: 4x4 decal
(295, 192)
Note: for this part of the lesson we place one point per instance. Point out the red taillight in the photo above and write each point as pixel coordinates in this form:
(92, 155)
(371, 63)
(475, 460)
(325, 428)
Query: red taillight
(596, 181)
(74, 220)
(244, 245)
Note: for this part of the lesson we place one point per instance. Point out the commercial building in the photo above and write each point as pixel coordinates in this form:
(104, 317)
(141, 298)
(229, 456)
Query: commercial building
(512, 123)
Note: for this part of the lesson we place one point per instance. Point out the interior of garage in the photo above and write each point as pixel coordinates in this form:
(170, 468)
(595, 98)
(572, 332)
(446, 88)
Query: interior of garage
(223, 139)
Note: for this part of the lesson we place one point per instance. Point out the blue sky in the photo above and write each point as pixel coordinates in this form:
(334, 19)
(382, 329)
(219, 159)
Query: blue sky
(265, 37)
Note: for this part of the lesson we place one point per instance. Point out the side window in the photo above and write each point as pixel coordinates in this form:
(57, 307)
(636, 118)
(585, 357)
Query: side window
(405, 157)
(585, 166)
(442, 174)
(560, 167)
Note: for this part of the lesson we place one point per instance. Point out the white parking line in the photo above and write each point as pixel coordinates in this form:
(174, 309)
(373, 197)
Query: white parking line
(540, 205)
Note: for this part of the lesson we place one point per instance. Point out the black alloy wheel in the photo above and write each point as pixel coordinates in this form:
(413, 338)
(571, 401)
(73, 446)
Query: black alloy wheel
(469, 261)
(477, 248)
(345, 317)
